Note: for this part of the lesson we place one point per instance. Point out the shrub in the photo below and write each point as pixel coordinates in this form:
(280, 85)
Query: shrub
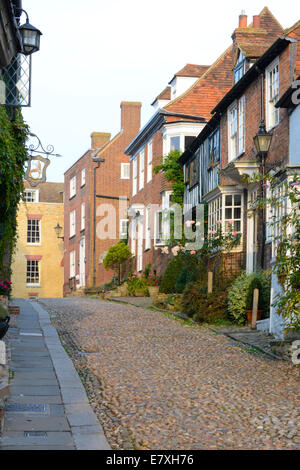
(116, 255)
(136, 283)
(240, 297)
(3, 311)
(204, 307)
(186, 276)
(177, 268)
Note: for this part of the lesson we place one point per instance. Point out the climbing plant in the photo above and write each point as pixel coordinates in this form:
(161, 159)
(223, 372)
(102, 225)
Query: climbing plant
(172, 171)
(13, 155)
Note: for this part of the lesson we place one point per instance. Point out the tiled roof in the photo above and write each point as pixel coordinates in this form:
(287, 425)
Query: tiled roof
(253, 51)
(207, 91)
(164, 95)
(48, 192)
(192, 70)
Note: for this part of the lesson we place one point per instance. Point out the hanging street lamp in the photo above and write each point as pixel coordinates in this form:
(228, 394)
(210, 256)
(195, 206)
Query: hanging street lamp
(262, 142)
(31, 37)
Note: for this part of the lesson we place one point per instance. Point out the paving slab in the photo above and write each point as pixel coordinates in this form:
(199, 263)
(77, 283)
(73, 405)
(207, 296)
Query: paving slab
(35, 390)
(48, 400)
(81, 415)
(48, 423)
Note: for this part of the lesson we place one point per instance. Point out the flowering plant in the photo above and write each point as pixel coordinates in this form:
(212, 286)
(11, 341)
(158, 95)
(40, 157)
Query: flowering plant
(284, 202)
(153, 281)
(5, 287)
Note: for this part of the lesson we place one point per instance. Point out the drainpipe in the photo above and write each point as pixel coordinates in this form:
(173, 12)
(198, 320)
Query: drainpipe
(97, 160)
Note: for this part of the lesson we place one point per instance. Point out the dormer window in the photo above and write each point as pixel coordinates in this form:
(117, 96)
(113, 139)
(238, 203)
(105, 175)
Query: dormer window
(240, 68)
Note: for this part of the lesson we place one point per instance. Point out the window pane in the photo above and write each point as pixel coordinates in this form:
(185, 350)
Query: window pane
(237, 226)
(237, 200)
(228, 201)
(175, 143)
(237, 213)
(228, 214)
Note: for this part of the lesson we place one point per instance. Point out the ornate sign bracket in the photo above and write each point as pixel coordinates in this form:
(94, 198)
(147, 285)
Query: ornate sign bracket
(37, 165)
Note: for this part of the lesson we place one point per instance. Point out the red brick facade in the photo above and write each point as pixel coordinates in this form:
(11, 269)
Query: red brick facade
(109, 185)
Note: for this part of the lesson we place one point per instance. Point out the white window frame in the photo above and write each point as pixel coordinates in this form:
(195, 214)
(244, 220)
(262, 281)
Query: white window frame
(149, 161)
(82, 225)
(133, 237)
(142, 170)
(236, 129)
(233, 132)
(217, 212)
(158, 240)
(72, 264)
(73, 223)
(34, 197)
(148, 229)
(123, 231)
(241, 125)
(38, 264)
(125, 171)
(134, 176)
(83, 177)
(39, 225)
(272, 94)
(73, 187)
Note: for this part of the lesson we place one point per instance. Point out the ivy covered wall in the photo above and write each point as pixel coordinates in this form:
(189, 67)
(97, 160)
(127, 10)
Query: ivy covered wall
(13, 155)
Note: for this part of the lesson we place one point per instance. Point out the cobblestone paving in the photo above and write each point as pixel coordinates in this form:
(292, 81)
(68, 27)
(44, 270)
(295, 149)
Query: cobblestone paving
(156, 383)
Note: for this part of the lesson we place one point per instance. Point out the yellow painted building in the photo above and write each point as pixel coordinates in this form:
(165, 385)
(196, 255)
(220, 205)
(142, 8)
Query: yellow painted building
(37, 269)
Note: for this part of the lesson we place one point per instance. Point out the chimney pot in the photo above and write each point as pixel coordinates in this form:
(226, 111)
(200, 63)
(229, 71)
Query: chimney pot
(256, 21)
(243, 23)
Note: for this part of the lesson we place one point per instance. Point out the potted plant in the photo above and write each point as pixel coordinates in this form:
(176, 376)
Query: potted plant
(153, 286)
(137, 286)
(4, 320)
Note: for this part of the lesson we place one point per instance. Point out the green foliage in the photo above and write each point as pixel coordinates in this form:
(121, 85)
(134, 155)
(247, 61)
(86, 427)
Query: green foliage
(3, 311)
(13, 155)
(135, 284)
(177, 265)
(147, 270)
(173, 173)
(116, 255)
(240, 297)
(186, 276)
(203, 307)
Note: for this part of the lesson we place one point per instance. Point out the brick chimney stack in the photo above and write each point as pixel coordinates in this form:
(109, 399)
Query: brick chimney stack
(99, 139)
(243, 20)
(131, 116)
(256, 21)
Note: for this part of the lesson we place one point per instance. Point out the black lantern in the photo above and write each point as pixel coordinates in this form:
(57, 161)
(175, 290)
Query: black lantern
(263, 140)
(30, 37)
(58, 230)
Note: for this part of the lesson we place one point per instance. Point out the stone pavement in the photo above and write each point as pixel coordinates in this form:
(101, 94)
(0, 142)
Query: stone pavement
(48, 408)
(156, 383)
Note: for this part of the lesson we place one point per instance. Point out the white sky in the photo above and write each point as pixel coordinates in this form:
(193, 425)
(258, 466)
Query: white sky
(96, 53)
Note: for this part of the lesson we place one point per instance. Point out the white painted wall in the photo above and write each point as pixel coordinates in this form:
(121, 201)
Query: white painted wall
(295, 137)
(180, 84)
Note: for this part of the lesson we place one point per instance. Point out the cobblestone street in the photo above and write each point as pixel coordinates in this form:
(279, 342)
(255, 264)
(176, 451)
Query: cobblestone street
(157, 383)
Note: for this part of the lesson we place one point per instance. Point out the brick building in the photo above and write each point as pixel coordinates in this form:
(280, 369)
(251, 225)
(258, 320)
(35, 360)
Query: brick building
(96, 220)
(37, 268)
(182, 110)
(224, 153)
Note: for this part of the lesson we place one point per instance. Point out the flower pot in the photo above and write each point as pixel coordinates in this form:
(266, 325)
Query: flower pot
(140, 293)
(4, 325)
(153, 291)
(249, 315)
